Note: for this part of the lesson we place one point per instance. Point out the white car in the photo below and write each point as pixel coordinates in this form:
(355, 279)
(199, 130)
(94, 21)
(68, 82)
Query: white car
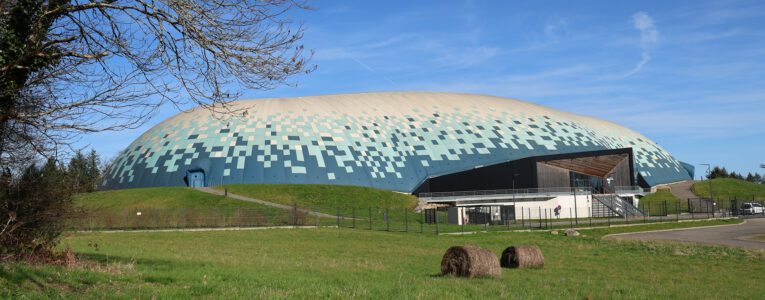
(750, 208)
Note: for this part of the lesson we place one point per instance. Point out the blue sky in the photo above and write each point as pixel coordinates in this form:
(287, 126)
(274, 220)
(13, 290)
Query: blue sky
(689, 75)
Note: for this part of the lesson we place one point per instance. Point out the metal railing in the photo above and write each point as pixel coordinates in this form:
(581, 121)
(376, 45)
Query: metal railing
(632, 190)
(536, 191)
(433, 221)
(618, 205)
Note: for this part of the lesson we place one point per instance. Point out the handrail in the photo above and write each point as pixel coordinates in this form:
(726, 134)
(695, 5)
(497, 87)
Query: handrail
(567, 190)
(617, 205)
(632, 188)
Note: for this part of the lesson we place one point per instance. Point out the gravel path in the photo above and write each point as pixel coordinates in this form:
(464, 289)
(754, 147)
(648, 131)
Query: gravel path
(682, 189)
(725, 235)
(282, 206)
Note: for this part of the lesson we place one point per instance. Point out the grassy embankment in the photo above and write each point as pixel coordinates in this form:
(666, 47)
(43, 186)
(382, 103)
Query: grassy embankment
(171, 207)
(662, 202)
(326, 198)
(729, 188)
(345, 263)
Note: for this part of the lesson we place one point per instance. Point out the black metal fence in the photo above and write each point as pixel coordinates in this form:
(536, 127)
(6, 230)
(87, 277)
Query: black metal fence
(432, 221)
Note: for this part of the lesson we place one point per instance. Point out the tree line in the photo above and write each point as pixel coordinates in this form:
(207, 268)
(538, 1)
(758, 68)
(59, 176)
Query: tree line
(37, 200)
(721, 172)
(75, 67)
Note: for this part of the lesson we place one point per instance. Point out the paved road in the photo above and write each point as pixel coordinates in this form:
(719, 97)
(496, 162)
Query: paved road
(726, 235)
(682, 189)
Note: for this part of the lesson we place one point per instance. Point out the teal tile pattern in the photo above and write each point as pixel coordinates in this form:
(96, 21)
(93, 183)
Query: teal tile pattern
(391, 141)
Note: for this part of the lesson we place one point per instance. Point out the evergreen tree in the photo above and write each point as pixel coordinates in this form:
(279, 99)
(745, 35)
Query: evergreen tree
(93, 170)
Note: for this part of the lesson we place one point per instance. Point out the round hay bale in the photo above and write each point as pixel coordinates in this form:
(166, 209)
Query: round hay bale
(522, 257)
(470, 261)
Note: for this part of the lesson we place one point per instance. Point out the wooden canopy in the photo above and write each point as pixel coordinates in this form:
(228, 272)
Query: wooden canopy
(598, 166)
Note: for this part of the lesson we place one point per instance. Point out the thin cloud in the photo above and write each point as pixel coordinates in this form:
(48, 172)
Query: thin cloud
(649, 35)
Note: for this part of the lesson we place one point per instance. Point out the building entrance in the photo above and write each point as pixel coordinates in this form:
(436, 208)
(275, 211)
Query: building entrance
(196, 179)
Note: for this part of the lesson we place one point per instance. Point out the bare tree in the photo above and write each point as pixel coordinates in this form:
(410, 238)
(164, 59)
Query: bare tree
(73, 66)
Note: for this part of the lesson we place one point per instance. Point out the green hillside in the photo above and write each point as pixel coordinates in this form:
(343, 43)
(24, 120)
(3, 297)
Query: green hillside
(728, 188)
(324, 196)
(305, 195)
(155, 198)
(655, 203)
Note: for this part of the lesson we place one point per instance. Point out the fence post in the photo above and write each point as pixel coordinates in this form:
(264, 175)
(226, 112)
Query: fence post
(387, 219)
(570, 221)
(547, 219)
(523, 222)
(608, 218)
(436, 211)
(462, 220)
(338, 217)
(265, 216)
(708, 217)
(677, 211)
(422, 220)
(183, 225)
(644, 213)
(508, 217)
(530, 225)
(539, 208)
(661, 219)
(406, 220)
(294, 214)
(690, 209)
(354, 217)
(487, 217)
(370, 218)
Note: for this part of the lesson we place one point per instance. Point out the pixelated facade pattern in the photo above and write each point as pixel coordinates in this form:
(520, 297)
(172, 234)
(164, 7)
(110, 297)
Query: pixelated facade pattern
(391, 141)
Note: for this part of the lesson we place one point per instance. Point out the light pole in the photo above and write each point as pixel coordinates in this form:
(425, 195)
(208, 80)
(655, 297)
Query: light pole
(576, 210)
(514, 205)
(709, 176)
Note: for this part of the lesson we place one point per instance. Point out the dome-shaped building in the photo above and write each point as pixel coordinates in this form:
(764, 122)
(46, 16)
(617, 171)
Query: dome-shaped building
(402, 141)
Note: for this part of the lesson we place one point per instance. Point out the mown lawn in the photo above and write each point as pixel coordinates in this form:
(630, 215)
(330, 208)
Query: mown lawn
(169, 207)
(324, 198)
(346, 263)
(729, 188)
(155, 198)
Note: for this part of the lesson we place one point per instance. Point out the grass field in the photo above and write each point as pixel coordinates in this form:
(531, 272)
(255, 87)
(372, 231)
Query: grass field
(345, 263)
(155, 198)
(324, 197)
(728, 188)
(655, 203)
(170, 207)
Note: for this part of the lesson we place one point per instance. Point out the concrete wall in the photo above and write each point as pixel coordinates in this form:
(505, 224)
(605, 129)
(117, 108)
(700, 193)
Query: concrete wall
(537, 208)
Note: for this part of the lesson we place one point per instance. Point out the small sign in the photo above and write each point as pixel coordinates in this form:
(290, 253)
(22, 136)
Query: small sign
(138, 213)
